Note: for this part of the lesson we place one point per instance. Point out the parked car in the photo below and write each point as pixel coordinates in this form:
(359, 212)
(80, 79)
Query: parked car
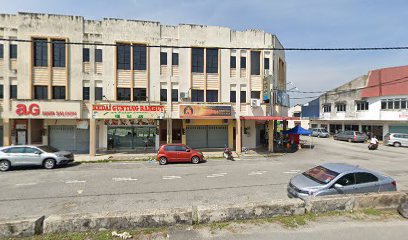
(351, 136)
(396, 139)
(178, 153)
(338, 178)
(46, 156)
(320, 133)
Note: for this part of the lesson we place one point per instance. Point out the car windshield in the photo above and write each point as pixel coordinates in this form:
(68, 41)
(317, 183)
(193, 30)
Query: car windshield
(321, 174)
(324, 131)
(48, 149)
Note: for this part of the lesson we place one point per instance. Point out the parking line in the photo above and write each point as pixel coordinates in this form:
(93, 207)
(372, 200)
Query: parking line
(214, 175)
(170, 177)
(75, 181)
(256, 173)
(124, 179)
(25, 184)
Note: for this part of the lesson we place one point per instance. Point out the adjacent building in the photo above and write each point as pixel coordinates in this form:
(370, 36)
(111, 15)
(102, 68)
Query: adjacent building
(126, 85)
(376, 104)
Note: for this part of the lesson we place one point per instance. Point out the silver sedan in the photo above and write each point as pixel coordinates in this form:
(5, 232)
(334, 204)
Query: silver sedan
(338, 178)
(45, 156)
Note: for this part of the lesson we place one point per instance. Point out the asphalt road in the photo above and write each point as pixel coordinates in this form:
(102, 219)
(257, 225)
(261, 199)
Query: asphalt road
(136, 186)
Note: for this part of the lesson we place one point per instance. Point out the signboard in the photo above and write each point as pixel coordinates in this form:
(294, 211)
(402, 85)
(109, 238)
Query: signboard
(105, 111)
(266, 82)
(45, 110)
(281, 98)
(205, 111)
(403, 115)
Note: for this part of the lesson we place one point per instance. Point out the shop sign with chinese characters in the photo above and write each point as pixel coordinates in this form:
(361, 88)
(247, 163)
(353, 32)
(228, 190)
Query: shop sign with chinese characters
(104, 111)
(45, 110)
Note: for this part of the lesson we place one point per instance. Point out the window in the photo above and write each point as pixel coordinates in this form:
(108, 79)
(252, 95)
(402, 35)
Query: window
(197, 95)
(58, 53)
(255, 63)
(98, 93)
(1, 92)
(85, 93)
(123, 94)
(233, 62)
(139, 94)
(98, 55)
(175, 59)
(340, 107)
(15, 150)
(197, 60)
(85, 55)
(163, 95)
(181, 148)
(243, 97)
(383, 104)
(170, 148)
(364, 177)
(123, 57)
(13, 91)
(397, 103)
(403, 103)
(58, 92)
(266, 63)
(362, 105)
(347, 180)
(326, 107)
(174, 95)
(40, 53)
(233, 96)
(40, 92)
(256, 94)
(139, 57)
(30, 150)
(13, 51)
(212, 60)
(243, 62)
(1, 51)
(212, 96)
(390, 104)
(163, 58)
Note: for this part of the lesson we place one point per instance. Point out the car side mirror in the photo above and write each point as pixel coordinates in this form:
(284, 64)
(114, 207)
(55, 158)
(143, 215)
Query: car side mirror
(187, 150)
(38, 152)
(338, 186)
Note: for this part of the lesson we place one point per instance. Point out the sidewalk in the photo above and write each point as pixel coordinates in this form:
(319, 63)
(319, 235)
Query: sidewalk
(133, 156)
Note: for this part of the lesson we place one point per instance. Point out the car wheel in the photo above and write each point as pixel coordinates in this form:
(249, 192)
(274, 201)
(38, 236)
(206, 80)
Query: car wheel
(397, 144)
(163, 161)
(4, 165)
(49, 163)
(195, 160)
(318, 136)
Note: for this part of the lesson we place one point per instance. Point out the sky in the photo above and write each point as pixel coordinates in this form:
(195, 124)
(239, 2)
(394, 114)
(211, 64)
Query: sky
(296, 23)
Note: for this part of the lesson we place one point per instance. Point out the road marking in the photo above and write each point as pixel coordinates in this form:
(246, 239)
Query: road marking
(75, 181)
(129, 163)
(80, 191)
(25, 184)
(214, 175)
(124, 179)
(256, 173)
(291, 172)
(170, 177)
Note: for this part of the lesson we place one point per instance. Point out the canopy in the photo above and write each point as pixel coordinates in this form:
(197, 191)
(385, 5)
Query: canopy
(298, 130)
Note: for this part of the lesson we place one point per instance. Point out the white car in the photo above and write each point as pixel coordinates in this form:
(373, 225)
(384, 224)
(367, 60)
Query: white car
(24, 155)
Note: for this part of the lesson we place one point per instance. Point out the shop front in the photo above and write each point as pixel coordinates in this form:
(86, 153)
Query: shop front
(207, 126)
(130, 127)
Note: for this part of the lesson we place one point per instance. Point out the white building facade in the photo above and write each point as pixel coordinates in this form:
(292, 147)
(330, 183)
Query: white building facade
(113, 84)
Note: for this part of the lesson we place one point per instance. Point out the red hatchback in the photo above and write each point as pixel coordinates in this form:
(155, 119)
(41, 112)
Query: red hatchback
(178, 153)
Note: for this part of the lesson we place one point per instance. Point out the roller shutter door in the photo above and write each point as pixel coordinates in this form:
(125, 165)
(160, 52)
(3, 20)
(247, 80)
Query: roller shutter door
(70, 138)
(398, 129)
(207, 136)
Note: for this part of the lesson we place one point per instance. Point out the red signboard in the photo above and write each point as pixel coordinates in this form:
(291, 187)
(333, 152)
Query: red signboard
(127, 108)
(27, 109)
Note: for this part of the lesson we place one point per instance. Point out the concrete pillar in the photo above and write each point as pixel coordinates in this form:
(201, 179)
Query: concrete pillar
(92, 137)
(238, 135)
(169, 131)
(270, 135)
(360, 127)
(230, 134)
(6, 132)
(183, 134)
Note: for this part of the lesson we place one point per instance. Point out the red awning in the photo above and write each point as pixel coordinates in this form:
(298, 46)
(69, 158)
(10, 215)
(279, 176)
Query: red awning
(268, 118)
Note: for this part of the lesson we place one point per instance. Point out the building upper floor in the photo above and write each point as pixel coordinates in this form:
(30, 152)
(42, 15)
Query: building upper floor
(381, 95)
(56, 57)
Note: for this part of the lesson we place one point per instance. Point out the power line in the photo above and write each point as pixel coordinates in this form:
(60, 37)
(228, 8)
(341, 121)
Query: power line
(243, 48)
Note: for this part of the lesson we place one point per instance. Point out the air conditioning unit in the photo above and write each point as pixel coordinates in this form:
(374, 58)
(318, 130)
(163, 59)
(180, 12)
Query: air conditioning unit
(184, 95)
(255, 102)
(268, 72)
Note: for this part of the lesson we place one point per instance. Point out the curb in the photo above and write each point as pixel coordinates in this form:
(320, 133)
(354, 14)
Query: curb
(198, 214)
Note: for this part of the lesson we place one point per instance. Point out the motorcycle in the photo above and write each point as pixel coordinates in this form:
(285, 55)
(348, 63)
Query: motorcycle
(228, 154)
(373, 146)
